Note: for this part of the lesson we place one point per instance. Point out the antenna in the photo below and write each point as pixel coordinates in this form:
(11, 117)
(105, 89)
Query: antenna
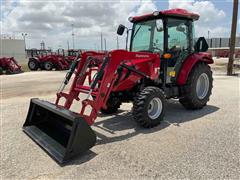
(73, 36)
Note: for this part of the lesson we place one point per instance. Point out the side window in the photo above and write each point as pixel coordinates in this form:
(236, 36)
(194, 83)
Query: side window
(177, 35)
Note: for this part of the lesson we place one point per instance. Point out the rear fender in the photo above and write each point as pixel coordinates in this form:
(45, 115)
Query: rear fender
(189, 64)
(34, 58)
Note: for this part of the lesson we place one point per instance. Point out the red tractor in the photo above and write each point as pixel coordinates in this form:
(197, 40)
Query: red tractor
(9, 66)
(72, 53)
(48, 62)
(163, 62)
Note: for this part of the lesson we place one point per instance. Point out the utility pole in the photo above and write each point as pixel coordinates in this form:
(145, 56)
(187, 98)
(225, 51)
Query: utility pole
(24, 38)
(101, 42)
(105, 44)
(68, 44)
(233, 38)
(73, 36)
(208, 37)
(117, 43)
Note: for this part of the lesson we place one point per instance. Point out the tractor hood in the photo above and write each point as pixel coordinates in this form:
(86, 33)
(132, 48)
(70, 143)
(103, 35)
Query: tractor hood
(130, 66)
(125, 56)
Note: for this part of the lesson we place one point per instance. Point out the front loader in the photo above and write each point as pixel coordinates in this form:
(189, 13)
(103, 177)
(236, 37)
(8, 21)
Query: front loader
(10, 66)
(163, 62)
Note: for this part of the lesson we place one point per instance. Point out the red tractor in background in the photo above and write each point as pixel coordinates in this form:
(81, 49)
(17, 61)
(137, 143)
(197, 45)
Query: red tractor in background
(51, 61)
(72, 53)
(9, 66)
(163, 62)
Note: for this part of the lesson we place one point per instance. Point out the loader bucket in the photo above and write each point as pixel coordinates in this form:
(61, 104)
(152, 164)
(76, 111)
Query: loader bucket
(60, 132)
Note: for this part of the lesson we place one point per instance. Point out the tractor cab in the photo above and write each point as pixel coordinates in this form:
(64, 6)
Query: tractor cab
(38, 53)
(72, 52)
(61, 52)
(34, 53)
(170, 33)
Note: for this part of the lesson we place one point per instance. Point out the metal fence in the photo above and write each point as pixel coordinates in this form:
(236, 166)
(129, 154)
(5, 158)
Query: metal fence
(221, 42)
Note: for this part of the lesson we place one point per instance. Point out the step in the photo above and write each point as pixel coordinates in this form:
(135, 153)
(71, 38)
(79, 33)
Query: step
(85, 89)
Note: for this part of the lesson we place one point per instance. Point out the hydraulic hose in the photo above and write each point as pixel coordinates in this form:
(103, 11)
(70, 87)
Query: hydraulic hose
(69, 73)
(100, 73)
(71, 70)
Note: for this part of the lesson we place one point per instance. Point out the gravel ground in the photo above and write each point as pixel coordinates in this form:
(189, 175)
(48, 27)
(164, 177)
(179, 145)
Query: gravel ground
(201, 144)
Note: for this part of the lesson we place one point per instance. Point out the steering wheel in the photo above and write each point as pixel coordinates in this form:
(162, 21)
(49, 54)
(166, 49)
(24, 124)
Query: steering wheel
(173, 41)
(160, 51)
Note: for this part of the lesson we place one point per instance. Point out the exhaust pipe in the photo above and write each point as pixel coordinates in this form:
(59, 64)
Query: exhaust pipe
(61, 133)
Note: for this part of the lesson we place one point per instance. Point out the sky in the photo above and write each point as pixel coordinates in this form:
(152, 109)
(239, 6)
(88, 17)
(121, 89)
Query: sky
(51, 21)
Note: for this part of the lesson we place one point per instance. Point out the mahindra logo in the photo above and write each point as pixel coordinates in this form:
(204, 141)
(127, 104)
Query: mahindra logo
(142, 56)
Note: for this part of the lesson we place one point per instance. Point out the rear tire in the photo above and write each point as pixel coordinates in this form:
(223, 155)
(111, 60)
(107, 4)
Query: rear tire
(149, 107)
(48, 66)
(198, 88)
(33, 65)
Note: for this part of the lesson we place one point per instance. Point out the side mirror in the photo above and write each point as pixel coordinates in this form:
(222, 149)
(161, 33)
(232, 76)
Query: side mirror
(201, 45)
(120, 29)
(159, 25)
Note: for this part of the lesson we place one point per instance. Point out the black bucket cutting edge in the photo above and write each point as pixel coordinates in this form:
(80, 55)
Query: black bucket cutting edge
(60, 132)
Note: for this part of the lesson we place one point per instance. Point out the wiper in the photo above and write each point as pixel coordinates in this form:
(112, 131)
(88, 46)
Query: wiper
(137, 31)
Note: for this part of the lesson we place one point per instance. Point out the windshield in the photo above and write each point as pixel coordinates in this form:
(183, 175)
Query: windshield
(147, 36)
(72, 53)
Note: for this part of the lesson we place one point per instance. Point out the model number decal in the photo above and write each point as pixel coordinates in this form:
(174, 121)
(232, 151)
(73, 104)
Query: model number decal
(142, 56)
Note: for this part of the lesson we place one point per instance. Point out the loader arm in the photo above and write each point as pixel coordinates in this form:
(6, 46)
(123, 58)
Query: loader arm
(105, 78)
(103, 83)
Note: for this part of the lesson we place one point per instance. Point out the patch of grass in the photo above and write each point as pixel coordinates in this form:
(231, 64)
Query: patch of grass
(25, 67)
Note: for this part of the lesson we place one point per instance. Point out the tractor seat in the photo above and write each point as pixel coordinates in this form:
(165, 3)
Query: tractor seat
(175, 55)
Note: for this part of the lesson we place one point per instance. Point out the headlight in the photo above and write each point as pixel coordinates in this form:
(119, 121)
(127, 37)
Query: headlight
(130, 19)
(156, 13)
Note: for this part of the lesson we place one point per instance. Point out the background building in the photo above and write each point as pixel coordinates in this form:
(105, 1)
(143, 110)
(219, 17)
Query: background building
(13, 48)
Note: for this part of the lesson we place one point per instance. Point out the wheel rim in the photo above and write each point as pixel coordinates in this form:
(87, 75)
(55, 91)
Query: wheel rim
(155, 108)
(47, 66)
(32, 65)
(202, 86)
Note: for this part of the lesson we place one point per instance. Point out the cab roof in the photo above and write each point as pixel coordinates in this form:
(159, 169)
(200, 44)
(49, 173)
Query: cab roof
(182, 13)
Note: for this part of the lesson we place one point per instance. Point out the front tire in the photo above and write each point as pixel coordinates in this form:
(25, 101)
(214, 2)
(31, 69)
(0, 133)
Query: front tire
(113, 104)
(33, 65)
(149, 107)
(198, 88)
